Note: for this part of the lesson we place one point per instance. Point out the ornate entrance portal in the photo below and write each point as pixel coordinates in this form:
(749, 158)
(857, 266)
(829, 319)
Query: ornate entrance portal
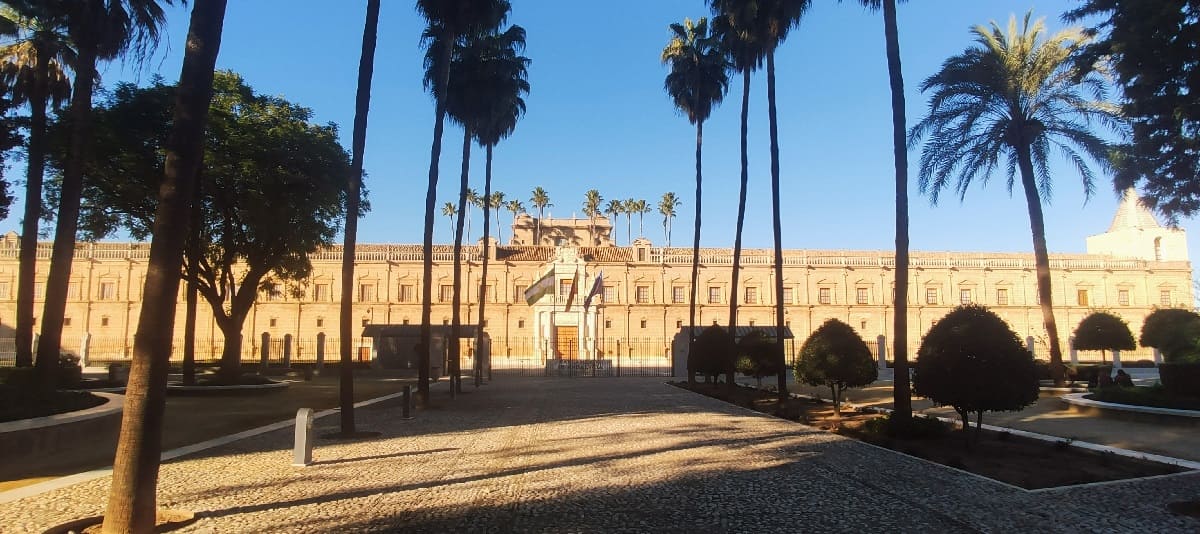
(566, 344)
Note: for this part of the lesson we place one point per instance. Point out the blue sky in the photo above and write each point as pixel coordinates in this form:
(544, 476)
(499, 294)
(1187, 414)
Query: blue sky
(598, 118)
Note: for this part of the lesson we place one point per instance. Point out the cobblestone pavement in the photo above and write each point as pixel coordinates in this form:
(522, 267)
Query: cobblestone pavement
(591, 455)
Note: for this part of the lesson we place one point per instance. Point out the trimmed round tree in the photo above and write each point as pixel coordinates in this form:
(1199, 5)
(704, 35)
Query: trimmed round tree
(1174, 332)
(1103, 331)
(836, 357)
(971, 360)
(713, 352)
(757, 356)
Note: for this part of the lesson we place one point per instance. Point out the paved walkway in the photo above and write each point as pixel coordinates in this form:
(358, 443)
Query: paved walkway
(588, 455)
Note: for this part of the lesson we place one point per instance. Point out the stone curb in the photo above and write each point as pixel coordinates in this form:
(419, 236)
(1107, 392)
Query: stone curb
(1079, 400)
(113, 403)
(62, 482)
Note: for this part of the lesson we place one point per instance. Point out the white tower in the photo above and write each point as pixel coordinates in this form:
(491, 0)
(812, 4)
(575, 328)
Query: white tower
(1135, 233)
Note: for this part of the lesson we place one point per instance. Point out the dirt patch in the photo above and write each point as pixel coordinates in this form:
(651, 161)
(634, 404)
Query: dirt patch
(1023, 462)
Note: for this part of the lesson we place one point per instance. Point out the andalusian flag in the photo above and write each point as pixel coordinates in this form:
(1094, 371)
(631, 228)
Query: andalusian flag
(540, 288)
(597, 287)
(574, 291)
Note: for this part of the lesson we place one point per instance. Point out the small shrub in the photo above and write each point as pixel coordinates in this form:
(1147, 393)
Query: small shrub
(1103, 331)
(920, 428)
(1174, 332)
(836, 357)
(69, 373)
(712, 353)
(1063, 445)
(758, 356)
(971, 360)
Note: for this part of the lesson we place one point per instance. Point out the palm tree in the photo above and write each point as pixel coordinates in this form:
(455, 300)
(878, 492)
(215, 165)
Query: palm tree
(641, 208)
(613, 209)
(591, 208)
(472, 202)
(131, 500)
(901, 390)
(447, 21)
(781, 17)
(629, 207)
(366, 70)
(540, 201)
(516, 208)
(504, 82)
(450, 211)
(33, 70)
(697, 82)
(496, 201)
(1016, 96)
(101, 30)
(666, 207)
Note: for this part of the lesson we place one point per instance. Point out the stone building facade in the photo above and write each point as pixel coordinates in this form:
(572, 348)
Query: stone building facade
(1132, 268)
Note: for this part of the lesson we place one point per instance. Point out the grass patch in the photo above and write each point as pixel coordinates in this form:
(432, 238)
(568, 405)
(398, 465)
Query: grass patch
(1154, 396)
(19, 403)
(1023, 462)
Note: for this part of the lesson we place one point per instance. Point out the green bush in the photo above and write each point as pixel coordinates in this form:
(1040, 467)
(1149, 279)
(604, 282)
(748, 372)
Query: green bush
(68, 374)
(919, 427)
(1174, 332)
(758, 356)
(1180, 379)
(834, 356)
(971, 360)
(713, 352)
(1103, 331)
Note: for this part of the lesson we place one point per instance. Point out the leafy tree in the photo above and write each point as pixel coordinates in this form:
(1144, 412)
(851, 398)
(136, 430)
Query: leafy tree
(540, 201)
(835, 356)
(446, 22)
(697, 82)
(266, 209)
(666, 206)
(101, 30)
(971, 360)
(131, 500)
(1151, 48)
(1173, 331)
(712, 353)
(34, 64)
(362, 105)
(756, 356)
(1103, 331)
(901, 394)
(1010, 101)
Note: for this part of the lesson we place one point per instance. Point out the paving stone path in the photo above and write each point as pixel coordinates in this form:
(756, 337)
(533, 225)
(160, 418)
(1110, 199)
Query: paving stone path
(611, 455)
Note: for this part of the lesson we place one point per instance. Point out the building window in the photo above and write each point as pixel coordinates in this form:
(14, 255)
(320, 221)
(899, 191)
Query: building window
(445, 293)
(364, 321)
(714, 294)
(641, 254)
(1082, 297)
(610, 294)
(1164, 297)
(321, 293)
(520, 323)
(1123, 297)
(564, 286)
(643, 294)
(861, 295)
(273, 321)
(1158, 249)
(39, 290)
(751, 322)
(677, 294)
(104, 321)
(366, 292)
(931, 296)
(1002, 297)
(751, 295)
(519, 292)
(862, 325)
(73, 291)
(678, 324)
(404, 321)
(273, 293)
(320, 322)
(825, 295)
(406, 293)
(5, 290)
(108, 290)
(484, 323)
(643, 323)
(787, 295)
(487, 295)
(66, 321)
(607, 323)
(964, 296)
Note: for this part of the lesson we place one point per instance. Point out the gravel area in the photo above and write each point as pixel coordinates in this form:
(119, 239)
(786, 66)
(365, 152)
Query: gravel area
(605, 454)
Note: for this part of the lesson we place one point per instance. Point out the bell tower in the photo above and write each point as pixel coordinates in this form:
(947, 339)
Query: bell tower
(1135, 233)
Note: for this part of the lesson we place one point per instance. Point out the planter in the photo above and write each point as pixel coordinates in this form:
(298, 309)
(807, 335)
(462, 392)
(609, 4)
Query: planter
(37, 438)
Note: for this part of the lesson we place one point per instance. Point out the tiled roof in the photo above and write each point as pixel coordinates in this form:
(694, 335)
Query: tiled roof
(525, 253)
(607, 254)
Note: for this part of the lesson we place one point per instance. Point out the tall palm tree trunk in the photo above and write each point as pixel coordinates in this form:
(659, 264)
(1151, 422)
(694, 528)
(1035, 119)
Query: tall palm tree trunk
(35, 171)
(362, 105)
(1038, 227)
(131, 501)
(901, 391)
(455, 363)
(691, 377)
(776, 225)
(487, 192)
(68, 206)
(192, 258)
(427, 242)
(741, 216)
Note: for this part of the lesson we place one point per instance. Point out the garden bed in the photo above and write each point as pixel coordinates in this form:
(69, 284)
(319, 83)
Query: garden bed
(17, 403)
(1024, 462)
(1152, 396)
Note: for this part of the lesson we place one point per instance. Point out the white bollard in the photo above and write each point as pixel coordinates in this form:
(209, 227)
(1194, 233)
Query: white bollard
(1029, 345)
(1116, 359)
(302, 453)
(1157, 356)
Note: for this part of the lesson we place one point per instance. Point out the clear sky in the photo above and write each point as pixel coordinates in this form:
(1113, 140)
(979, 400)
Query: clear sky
(598, 118)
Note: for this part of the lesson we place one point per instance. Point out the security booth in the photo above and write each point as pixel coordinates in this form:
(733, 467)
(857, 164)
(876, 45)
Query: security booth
(394, 346)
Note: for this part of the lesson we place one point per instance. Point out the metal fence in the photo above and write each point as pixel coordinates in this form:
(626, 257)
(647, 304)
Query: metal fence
(103, 350)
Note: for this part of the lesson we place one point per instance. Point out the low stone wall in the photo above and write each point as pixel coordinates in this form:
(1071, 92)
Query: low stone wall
(35, 439)
(1076, 403)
